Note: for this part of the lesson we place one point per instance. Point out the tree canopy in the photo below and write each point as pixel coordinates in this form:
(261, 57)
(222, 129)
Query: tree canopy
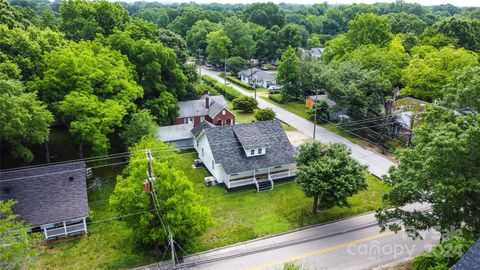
(442, 170)
(179, 207)
(328, 174)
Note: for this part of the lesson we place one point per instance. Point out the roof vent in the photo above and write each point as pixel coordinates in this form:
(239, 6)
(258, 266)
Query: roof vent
(70, 178)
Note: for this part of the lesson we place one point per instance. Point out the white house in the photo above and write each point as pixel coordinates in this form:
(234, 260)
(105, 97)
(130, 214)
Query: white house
(313, 53)
(52, 199)
(254, 154)
(260, 77)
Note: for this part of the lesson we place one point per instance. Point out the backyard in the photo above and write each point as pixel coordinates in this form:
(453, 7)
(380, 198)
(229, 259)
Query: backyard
(237, 216)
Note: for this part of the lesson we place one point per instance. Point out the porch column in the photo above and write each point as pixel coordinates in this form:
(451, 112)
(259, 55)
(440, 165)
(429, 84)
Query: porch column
(288, 170)
(85, 225)
(45, 232)
(65, 228)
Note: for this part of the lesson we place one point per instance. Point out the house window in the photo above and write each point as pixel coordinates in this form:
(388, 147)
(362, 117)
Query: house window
(259, 151)
(188, 120)
(252, 152)
(202, 118)
(229, 121)
(223, 112)
(219, 122)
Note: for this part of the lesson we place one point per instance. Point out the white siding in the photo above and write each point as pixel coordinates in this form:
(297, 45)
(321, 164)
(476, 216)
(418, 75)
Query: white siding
(217, 171)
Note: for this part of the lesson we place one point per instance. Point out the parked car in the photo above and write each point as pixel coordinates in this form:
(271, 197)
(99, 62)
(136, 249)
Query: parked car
(208, 64)
(264, 67)
(272, 89)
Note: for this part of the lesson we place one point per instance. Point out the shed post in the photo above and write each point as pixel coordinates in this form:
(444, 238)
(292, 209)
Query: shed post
(85, 225)
(45, 232)
(65, 228)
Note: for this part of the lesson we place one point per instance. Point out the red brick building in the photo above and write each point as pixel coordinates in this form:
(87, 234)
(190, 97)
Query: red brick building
(210, 108)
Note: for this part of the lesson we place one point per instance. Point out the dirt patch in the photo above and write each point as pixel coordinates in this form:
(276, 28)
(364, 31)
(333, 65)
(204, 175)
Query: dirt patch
(297, 138)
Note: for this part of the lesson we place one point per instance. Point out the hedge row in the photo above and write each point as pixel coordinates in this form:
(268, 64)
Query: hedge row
(239, 83)
(276, 97)
(227, 91)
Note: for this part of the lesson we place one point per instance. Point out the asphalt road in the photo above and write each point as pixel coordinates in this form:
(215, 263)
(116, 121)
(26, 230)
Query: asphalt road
(354, 243)
(378, 165)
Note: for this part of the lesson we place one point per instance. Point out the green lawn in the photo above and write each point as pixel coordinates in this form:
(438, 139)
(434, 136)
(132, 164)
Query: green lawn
(237, 217)
(246, 215)
(108, 244)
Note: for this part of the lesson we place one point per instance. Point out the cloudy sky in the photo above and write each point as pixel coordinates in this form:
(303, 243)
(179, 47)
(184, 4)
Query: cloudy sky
(463, 3)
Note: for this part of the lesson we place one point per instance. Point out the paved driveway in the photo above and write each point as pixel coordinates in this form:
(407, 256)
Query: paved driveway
(378, 165)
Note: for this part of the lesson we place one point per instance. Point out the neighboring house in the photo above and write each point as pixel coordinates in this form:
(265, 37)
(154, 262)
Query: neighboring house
(210, 108)
(260, 78)
(313, 53)
(254, 154)
(310, 100)
(52, 199)
(470, 260)
(405, 111)
(336, 113)
(179, 135)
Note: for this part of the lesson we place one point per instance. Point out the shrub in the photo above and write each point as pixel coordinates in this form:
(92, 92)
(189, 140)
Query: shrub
(239, 83)
(276, 97)
(245, 104)
(323, 112)
(264, 114)
(227, 91)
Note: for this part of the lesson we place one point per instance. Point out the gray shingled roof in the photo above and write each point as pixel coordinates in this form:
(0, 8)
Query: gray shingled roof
(470, 260)
(197, 107)
(250, 137)
(329, 102)
(46, 194)
(174, 132)
(228, 151)
(215, 108)
(261, 75)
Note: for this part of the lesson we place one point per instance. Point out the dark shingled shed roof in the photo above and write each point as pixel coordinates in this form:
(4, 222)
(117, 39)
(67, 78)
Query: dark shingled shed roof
(227, 148)
(470, 260)
(47, 194)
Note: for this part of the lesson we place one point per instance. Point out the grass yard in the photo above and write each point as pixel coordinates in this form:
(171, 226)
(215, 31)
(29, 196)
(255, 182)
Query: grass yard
(108, 244)
(246, 215)
(237, 217)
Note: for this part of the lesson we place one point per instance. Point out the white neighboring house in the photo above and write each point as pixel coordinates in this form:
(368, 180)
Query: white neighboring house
(52, 199)
(254, 154)
(262, 78)
(313, 53)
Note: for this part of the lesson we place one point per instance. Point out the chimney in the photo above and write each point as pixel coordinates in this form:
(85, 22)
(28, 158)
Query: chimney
(422, 107)
(207, 101)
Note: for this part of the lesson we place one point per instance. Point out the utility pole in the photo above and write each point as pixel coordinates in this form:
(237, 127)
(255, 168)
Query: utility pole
(148, 183)
(255, 86)
(172, 248)
(315, 115)
(200, 61)
(225, 71)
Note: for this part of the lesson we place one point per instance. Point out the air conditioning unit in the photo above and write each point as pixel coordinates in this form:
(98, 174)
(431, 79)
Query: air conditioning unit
(210, 181)
(198, 163)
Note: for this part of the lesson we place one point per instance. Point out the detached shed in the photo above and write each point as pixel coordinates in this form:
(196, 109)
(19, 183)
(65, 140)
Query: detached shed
(52, 199)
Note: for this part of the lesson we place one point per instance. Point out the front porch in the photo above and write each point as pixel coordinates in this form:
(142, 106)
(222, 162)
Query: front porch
(260, 179)
(65, 228)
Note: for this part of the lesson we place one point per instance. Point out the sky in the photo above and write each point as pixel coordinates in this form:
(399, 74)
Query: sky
(462, 3)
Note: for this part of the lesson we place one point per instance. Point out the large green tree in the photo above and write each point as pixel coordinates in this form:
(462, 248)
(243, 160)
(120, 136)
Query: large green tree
(425, 77)
(240, 34)
(369, 29)
(26, 47)
(329, 175)
(265, 14)
(464, 29)
(197, 34)
(158, 16)
(83, 20)
(141, 124)
(464, 90)
(17, 250)
(218, 45)
(186, 19)
(289, 74)
(23, 118)
(156, 66)
(406, 23)
(441, 169)
(178, 205)
(91, 88)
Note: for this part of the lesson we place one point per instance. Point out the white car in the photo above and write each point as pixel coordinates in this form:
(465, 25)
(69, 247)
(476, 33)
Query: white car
(272, 89)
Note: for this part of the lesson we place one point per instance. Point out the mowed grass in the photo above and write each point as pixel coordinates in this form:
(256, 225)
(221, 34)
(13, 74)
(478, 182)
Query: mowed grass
(245, 215)
(237, 216)
(108, 244)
